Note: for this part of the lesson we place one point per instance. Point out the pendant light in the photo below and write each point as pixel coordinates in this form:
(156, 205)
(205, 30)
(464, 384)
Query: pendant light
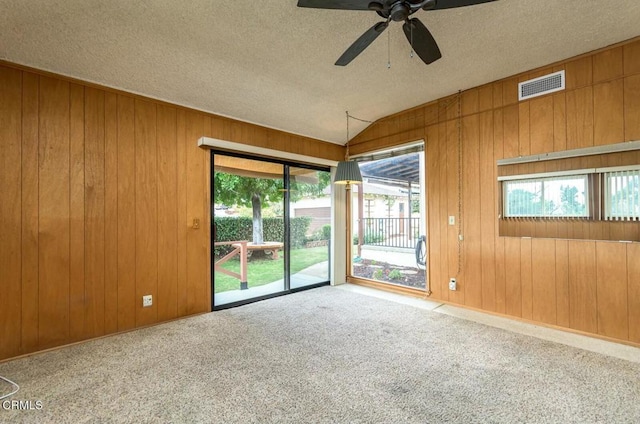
(348, 171)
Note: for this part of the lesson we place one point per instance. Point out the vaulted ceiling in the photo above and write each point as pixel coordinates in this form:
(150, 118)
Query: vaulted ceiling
(272, 63)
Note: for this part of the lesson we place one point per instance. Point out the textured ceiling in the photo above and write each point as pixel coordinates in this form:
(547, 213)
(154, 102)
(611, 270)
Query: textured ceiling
(271, 63)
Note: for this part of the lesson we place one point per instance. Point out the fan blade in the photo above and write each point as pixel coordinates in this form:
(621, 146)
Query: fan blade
(336, 4)
(450, 4)
(421, 40)
(362, 43)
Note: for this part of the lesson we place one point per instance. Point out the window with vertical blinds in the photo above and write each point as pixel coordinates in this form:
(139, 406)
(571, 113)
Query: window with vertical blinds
(565, 196)
(622, 195)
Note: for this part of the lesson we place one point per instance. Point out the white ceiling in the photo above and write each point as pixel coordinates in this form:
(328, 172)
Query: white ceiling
(272, 63)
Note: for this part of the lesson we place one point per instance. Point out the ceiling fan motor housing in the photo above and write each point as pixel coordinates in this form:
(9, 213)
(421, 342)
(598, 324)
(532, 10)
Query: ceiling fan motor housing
(399, 12)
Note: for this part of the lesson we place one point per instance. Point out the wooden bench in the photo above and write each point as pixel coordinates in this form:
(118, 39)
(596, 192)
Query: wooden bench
(240, 247)
(244, 249)
(268, 247)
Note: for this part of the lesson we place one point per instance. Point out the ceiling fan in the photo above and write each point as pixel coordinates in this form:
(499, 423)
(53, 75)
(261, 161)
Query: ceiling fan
(421, 40)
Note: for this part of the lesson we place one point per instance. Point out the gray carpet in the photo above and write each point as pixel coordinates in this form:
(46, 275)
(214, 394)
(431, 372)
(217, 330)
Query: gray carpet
(328, 356)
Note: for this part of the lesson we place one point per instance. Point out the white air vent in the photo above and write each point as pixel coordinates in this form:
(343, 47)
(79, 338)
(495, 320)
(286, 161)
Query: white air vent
(540, 86)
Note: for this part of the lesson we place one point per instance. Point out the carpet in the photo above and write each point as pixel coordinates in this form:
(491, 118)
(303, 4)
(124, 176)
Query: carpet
(322, 356)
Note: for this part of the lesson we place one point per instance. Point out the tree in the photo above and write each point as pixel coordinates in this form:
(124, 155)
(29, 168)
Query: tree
(231, 189)
(569, 201)
(524, 203)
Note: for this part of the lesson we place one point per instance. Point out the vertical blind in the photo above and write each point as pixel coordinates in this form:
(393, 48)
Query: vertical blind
(622, 195)
(560, 196)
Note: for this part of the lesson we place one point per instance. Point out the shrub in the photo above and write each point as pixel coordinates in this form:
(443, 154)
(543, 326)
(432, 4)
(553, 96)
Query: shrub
(323, 233)
(369, 238)
(395, 274)
(378, 274)
(230, 228)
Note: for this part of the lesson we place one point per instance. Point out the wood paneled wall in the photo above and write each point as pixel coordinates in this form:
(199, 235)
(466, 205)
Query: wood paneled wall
(99, 190)
(584, 285)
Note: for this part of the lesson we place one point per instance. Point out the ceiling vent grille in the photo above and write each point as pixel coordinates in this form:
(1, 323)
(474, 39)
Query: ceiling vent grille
(540, 86)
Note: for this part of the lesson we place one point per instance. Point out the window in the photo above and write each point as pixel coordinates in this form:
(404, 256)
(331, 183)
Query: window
(622, 195)
(565, 196)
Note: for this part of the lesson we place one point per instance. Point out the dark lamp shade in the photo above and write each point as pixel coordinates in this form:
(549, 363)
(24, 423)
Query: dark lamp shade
(348, 172)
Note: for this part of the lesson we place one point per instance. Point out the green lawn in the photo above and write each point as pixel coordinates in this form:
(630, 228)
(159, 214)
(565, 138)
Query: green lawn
(264, 271)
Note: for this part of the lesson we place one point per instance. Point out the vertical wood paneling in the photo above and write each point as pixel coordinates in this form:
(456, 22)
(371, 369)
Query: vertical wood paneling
(53, 163)
(526, 276)
(559, 122)
(444, 210)
(631, 58)
(582, 286)
(77, 213)
(513, 277)
(181, 206)
(111, 213)
(469, 102)
(524, 129)
(167, 214)
(612, 291)
(543, 261)
(488, 214)
(91, 192)
(500, 244)
(471, 200)
(580, 118)
(608, 65)
(608, 124)
(510, 91)
(196, 238)
(632, 108)
(29, 195)
(94, 218)
(579, 73)
(485, 98)
(511, 131)
(10, 212)
(126, 214)
(453, 198)
(562, 283)
(432, 156)
(633, 281)
(541, 121)
(146, 211)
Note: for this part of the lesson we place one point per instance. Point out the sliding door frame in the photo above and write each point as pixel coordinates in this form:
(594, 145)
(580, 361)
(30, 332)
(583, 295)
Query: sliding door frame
(287, 228)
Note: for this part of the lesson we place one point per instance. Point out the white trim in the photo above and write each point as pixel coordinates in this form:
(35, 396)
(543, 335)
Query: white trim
(263, 151)
(618, 168)
(587, 151)
(398, 150)
(547, 174)
(569, 172)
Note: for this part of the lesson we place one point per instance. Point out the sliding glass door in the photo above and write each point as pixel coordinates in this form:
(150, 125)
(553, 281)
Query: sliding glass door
(310, 226)
(270, 229)
(248, 229)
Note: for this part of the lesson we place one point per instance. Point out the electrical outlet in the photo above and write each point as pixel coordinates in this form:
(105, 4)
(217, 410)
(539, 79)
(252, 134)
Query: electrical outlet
(452, 220)
(452, 284)
(147, 301)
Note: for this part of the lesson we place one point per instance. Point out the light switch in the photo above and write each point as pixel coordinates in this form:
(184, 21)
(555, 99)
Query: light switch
(196, 223)
(452, 220)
